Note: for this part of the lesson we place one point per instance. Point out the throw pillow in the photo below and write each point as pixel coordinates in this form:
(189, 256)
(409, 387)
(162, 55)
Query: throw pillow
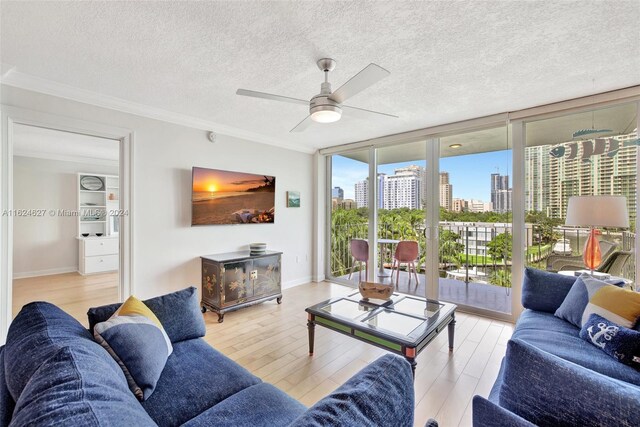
(179, 312)
(621, 306)
(617, 341)
(543, 290)
(572, 308)
(136, 339)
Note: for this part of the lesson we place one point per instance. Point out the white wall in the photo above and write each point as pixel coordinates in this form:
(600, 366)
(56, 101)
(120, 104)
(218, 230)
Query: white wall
(166, 248)
(45, 244)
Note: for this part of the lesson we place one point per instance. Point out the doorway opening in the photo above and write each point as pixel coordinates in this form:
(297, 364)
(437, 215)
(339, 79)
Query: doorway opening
(66, 219)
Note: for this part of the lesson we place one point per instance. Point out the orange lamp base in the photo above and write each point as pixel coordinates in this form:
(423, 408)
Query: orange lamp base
(592, 255)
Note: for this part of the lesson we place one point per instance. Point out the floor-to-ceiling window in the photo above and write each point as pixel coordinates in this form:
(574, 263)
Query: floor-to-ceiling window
(583, 154)
(475, 229)
(484, 203)
(402, 184)
(349, 219)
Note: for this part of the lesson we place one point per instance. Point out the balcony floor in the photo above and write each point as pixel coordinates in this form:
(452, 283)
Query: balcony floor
(480, 295)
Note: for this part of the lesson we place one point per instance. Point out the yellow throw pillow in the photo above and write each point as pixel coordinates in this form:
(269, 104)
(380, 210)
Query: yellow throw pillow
(620, 306)
(135, 338)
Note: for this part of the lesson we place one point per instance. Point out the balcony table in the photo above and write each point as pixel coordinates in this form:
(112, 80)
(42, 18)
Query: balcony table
(381, 271)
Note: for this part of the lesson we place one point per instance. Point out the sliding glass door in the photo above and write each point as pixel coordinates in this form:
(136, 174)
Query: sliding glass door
(349, 219)
(401, 244)
(457, 216)
(475, 228)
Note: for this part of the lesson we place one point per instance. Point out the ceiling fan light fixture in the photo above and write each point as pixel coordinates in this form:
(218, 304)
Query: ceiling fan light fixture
(326, 113)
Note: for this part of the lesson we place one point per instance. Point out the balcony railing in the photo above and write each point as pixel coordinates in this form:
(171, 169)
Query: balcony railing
(466, 251)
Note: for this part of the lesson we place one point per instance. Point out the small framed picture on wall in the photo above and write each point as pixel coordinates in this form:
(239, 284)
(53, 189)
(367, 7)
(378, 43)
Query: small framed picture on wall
(293, 199)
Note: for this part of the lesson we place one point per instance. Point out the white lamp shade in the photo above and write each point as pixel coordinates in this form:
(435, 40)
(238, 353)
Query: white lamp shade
(598, 211)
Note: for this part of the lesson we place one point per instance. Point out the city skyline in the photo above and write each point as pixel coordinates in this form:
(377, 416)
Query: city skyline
(464, 173)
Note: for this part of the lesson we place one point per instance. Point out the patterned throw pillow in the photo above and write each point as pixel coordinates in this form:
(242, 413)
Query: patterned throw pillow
(617, 341)
(572, 308)
(621, 306)
(136, 339)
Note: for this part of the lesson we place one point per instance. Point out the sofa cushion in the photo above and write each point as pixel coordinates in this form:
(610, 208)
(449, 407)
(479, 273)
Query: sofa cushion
(39, 331)
(549, 391)
(179, 312)
(544, 291)
(623, 344)
(77, 387)
(572, 308)
(380, 395)
(134, 337)
(258, 405)
(560, 338)
(6, 401)
(195, 378)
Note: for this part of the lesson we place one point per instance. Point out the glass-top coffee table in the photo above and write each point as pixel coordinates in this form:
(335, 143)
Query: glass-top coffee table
(405, 325)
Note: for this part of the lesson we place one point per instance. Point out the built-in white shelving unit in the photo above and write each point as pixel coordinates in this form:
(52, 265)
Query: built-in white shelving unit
(98, 222)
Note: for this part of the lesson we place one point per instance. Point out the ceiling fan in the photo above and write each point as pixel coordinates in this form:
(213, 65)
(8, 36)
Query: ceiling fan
(327, 106)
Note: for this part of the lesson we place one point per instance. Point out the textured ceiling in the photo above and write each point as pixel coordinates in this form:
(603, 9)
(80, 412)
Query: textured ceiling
(449, 61)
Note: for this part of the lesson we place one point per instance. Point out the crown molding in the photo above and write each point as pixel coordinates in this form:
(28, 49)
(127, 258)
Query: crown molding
(48, 87)
(66, 158)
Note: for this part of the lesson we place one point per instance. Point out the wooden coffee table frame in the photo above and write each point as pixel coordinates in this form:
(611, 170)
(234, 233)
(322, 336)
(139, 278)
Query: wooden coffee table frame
(387, 340)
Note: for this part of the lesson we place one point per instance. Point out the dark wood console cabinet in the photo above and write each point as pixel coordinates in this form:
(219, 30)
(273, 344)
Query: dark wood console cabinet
(238, 279)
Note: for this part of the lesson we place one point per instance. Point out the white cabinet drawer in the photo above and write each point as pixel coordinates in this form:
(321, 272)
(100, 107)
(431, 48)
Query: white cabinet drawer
(95, 264)
(94, 247)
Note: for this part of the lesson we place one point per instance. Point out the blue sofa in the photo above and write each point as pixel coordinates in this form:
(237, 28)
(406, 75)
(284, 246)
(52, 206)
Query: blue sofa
(550, 376)
(52, 372)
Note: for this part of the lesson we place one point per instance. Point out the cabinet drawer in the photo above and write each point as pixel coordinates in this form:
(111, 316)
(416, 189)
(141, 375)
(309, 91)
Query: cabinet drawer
(95, 264)
(94, 247)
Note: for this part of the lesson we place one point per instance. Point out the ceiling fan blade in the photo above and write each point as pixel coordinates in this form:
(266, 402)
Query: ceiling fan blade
(371, 74)
(361, 112)
(303, 124)
(263, 95)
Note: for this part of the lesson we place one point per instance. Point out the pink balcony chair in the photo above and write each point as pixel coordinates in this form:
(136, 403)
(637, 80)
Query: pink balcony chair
(360, 254)
(406, 252)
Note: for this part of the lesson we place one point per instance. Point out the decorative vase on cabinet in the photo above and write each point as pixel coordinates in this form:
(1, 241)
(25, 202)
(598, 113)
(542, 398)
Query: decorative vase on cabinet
(234, 280)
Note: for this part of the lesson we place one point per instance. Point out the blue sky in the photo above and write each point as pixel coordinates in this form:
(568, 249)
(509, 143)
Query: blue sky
(469, 174)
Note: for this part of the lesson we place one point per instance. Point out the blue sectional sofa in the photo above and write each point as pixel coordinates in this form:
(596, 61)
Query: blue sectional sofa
(550, 376)
(52, 372)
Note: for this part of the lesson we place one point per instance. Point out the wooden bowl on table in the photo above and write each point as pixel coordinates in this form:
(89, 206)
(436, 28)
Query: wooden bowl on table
(376, 290)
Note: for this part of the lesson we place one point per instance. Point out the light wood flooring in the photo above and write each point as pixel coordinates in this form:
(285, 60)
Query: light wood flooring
(270, 340)
(72, 292)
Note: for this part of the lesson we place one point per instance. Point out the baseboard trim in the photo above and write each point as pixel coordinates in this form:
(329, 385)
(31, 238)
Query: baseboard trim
(49, 272)
(319, 278)
(296, 282)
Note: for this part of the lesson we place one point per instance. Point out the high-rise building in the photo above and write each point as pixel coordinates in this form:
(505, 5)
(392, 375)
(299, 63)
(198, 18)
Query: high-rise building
(404, 189)
(501, 194)
(551, 179)
(421, 173)
(337, 193)
(446, 191)
(362, 192)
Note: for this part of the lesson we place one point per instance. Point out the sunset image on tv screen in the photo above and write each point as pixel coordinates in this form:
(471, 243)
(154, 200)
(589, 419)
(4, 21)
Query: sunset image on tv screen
(225, 197)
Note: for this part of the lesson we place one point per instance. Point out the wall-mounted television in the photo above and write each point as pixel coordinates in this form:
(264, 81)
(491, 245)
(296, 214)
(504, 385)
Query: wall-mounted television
(227, 197)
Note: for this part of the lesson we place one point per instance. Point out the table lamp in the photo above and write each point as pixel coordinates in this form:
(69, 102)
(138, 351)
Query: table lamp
(596, 211)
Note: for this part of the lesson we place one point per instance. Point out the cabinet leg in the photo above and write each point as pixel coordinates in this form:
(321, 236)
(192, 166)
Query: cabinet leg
(220, 317)
(279, 300)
